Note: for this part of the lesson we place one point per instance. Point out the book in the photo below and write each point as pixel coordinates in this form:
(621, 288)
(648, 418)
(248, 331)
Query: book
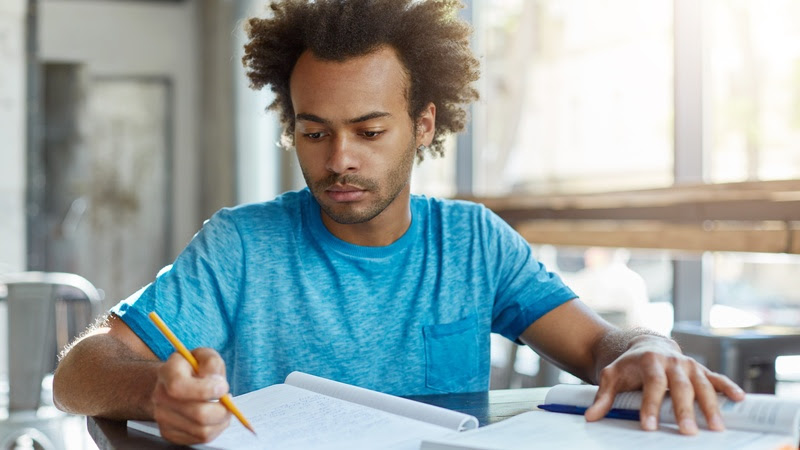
(307, 411)
(760, 421)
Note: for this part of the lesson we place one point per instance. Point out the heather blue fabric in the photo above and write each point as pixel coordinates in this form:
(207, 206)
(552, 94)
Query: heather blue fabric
(272, 290)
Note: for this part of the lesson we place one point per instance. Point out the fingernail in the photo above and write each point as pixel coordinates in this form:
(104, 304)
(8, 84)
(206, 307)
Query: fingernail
(650, 423)
(219, 390)
(220, 385)
(715, 423)
(688, 426)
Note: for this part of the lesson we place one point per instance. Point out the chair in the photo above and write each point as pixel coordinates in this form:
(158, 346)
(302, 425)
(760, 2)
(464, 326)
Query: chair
(44, 312)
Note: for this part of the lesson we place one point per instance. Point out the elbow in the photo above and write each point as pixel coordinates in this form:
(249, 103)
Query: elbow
(58, 395)
(70, 381)
(61, 388)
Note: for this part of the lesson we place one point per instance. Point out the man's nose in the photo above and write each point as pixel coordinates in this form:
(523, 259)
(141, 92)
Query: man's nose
(342, 157)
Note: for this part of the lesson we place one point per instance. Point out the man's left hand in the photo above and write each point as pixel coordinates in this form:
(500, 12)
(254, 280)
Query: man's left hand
(655, 364)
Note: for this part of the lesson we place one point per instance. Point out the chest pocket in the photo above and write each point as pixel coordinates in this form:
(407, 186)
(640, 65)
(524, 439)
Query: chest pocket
(451, 355)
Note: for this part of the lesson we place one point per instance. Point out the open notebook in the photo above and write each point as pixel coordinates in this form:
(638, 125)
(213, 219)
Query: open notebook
(311, 412)
(758, 422)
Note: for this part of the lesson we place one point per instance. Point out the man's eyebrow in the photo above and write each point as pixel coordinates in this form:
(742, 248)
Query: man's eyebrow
(369, 116)
(311, 118)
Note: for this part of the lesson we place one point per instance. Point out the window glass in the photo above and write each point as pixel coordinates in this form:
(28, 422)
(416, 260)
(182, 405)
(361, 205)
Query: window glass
(755, 289)
(576, 95)
(436, 176)
(787, 374)
(752, 84)
(630, 288)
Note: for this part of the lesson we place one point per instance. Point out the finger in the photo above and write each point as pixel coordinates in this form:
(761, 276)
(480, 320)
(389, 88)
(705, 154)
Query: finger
(653, 390)
(604, 398)
(172, 429)
(180, 382)
(177, 436)
(177, 366)
(198, 421)
(198, 412)
(706, 397)
(174, 422)
(209, 362)
(724, 384)
(682, 393)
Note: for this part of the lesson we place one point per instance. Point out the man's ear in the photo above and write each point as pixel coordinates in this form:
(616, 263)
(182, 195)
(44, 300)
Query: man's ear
(426, 125)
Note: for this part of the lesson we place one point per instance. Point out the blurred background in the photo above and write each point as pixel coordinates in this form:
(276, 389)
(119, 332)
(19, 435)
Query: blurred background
(125, 124)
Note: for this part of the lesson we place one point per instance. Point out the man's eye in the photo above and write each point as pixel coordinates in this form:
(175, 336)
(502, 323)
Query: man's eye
(314, 136)
(372, 134)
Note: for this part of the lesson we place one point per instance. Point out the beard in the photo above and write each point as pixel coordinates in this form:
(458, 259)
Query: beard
(382, 196)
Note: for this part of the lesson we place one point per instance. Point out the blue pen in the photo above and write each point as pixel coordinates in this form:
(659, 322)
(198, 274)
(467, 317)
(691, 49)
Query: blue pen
(614, 413)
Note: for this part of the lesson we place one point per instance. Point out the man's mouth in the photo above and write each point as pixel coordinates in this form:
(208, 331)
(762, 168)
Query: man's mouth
(345, 193)
(343, 188)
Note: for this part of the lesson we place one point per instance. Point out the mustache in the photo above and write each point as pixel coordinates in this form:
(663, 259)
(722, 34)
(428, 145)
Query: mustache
(347, 179)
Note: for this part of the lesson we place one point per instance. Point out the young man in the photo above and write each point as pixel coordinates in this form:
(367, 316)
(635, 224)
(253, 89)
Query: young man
(354, 278)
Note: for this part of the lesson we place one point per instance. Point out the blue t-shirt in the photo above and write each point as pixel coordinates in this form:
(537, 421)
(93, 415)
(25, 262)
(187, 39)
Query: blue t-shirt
(272, 290)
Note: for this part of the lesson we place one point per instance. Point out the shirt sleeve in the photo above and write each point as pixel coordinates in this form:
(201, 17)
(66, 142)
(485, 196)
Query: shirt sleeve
(197, 295)
(525, 290)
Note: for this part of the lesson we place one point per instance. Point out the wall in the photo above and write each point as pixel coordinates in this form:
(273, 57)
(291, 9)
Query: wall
(12, 150)
(139, 39)
(12, 135)
(261, 172)
(218, 170)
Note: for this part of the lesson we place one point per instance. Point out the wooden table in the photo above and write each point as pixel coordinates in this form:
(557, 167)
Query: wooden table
(487, 407)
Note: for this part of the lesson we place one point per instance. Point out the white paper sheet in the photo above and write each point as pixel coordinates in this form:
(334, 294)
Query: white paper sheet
(289, 417)
(389, 403)
(554, 430)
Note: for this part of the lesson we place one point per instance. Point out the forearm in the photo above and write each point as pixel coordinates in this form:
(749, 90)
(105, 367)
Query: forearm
(615, 342)
(101, 376)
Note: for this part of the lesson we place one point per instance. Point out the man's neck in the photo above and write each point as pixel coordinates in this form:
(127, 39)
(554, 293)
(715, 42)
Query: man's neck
(380, 231)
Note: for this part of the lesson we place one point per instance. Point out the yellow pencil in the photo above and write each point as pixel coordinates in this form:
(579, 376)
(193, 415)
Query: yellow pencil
(225, 399)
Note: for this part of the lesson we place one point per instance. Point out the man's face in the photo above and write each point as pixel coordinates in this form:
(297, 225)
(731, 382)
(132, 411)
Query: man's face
(354, 138)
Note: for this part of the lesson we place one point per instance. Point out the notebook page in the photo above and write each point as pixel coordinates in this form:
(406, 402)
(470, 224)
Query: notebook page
(287, 417)
(553, 430)
(389, 403)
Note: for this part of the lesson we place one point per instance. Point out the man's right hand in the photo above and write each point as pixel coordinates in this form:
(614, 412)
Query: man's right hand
(184, 403)
(110, 372)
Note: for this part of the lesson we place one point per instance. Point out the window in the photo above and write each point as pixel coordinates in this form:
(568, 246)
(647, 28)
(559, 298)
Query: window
(577, 96)
(752, 84)
(756, 289)
(436, 176)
